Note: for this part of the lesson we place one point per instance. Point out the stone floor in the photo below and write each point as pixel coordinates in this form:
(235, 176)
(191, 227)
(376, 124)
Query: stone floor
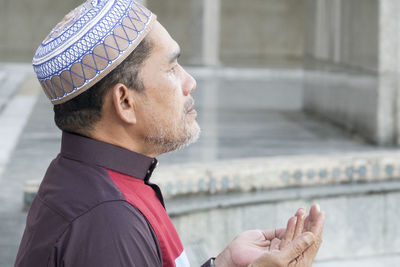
(232, 127)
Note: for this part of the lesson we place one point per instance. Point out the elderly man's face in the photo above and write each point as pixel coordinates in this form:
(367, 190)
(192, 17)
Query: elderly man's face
(165, 113)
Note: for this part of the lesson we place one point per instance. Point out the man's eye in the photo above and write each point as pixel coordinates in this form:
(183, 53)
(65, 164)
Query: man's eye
(173, 69)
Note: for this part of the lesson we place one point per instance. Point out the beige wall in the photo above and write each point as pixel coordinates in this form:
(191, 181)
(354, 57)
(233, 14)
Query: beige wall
(342, 81)
(253, 32)
(261, 31)
(25, 23)
(176, 16)
(352, 65)
(343, 32)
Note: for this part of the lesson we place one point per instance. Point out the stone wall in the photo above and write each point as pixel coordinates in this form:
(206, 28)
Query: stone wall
(361, 224)
(352, 65)
(211, 203)
(341, 62)
(260, 32)
(343, 32)
(254, 32)
(24, 24)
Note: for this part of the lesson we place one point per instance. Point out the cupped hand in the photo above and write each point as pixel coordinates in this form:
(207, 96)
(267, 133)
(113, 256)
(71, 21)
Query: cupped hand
(295, 245)
(252, 244)
(294, 249)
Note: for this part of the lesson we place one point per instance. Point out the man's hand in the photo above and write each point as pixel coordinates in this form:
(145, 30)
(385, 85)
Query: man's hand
(289, 255)
(314, 223)
(297, 245)
(293, 242)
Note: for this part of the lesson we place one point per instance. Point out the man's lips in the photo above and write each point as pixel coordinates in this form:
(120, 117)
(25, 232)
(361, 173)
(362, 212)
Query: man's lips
(190, 107)
(191, 110)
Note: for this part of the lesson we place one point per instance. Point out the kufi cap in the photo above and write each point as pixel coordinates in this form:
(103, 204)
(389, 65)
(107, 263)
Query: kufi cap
(88, 44)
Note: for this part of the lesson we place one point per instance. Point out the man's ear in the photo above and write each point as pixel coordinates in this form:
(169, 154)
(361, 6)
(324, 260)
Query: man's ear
(124, 103)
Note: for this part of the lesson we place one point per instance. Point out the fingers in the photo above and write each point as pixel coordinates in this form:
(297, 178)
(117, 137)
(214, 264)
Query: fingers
(276, 233)
(317, 219)
(295, 248)
(300, 214)
(298, 243)
(315, 224)
(307, 227)
(294, 227)
(288, 235)
(299, 224)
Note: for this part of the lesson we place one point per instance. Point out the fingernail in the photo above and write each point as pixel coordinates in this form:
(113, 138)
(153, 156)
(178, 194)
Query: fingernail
(309, 238)
(300, 210)
(303, 213)
(295, 219)
(318, 207)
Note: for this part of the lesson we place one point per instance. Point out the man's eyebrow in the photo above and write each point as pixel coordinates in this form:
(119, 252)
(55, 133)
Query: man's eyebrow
(175, 56)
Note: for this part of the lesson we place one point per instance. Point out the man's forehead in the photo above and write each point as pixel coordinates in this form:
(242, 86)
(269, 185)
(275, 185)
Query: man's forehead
(163, 42)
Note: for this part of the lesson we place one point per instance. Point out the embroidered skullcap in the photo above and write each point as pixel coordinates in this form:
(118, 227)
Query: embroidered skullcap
(88, 44)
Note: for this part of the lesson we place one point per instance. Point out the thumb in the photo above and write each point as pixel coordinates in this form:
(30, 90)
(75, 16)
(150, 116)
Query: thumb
(297, 246)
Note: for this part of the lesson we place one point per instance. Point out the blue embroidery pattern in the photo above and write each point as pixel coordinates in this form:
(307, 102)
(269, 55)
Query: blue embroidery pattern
(86, 43)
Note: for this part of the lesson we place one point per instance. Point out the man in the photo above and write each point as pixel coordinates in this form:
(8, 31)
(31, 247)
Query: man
(121, 99)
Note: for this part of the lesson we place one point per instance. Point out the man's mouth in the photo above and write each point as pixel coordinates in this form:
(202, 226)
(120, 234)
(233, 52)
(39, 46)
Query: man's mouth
(190, 109)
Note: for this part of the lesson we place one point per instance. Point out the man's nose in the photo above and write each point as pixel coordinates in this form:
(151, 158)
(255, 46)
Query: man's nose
(189, 84)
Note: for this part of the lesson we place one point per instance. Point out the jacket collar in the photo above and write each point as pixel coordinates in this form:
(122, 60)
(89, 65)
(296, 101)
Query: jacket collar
(84, 149)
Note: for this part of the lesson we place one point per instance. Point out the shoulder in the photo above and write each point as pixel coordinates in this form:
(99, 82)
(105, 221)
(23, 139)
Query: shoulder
(113, 233)
(116, 212)
(71, 188)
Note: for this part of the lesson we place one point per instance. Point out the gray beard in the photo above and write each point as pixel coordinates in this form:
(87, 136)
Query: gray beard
(164, 141)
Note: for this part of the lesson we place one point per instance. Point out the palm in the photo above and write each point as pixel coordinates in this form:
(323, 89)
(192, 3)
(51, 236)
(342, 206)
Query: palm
(250, 245)
(289, 246)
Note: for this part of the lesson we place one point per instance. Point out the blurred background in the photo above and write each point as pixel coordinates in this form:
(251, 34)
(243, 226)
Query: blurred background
(298, 101)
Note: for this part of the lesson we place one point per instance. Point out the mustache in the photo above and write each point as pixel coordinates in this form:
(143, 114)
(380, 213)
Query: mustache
(189, 105)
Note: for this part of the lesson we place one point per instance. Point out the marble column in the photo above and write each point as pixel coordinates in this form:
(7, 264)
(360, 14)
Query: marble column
(353, 65)
(211, 31)
(321, 41)
(205, 32)
(388, 108)
(336, 29)
(328, 30)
